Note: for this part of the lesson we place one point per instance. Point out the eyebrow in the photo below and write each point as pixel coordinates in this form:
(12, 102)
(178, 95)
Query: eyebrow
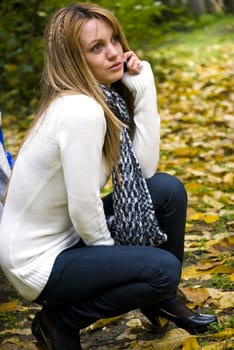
(94, 41)
(91, 43)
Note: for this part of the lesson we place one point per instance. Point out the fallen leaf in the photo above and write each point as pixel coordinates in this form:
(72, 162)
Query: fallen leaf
(226, 301)
(225, 345)
(221, 242)
(217, 169)
(191, 344)
(134, 323)
(190, 212)
(15, 341)
(18, 331)
(228, 178)
(209, 218)
(212, 202)
(103, 323)
(172, 340)
(227, 333)
(9, 306)
(197, 296)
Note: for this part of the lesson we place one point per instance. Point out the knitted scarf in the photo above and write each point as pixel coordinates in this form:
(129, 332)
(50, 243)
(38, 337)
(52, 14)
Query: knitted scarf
(134, 221)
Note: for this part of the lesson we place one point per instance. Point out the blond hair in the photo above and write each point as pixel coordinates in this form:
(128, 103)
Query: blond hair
(66, 69)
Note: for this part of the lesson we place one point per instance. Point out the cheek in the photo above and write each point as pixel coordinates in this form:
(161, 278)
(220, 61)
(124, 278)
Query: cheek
(97, 67)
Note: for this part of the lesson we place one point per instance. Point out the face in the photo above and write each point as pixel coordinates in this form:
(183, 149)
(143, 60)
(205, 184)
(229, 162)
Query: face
(103, 51)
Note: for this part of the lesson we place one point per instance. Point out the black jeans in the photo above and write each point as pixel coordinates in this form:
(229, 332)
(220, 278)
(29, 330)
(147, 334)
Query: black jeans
(89, 283)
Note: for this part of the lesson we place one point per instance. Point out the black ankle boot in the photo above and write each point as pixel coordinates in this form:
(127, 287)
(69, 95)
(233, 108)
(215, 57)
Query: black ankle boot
(196, 323)
(51, 337)
(181, 316)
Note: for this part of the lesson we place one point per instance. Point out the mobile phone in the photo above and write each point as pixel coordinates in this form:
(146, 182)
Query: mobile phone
(126, 66)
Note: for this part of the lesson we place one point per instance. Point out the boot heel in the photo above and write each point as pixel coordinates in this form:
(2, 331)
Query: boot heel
(40, 336)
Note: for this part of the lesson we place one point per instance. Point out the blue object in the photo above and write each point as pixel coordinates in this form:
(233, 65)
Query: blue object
(9, 157)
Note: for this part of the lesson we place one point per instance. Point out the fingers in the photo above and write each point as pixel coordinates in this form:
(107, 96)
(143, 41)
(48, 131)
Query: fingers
(133, 63)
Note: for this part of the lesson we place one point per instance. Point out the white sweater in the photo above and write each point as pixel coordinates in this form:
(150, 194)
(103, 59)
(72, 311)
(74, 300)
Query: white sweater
(54, 192)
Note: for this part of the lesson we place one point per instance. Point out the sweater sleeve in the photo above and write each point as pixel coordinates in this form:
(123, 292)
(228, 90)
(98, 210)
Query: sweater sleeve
(81, 144)
(146, 140)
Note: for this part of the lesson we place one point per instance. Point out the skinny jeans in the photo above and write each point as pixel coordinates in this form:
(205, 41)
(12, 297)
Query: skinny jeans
(89, 283)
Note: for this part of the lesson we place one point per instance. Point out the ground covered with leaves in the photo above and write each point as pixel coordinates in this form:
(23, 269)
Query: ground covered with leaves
(195, 79)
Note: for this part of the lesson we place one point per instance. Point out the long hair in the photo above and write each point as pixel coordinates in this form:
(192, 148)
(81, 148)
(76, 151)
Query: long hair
(66, 69)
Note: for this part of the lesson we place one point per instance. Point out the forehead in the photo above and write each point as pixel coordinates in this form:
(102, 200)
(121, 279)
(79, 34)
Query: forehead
(95, 29)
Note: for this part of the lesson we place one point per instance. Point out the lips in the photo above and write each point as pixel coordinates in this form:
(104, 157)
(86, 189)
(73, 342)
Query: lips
(116, 66)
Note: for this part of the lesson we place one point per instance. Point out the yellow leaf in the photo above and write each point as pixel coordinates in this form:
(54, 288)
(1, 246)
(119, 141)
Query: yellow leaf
(102, 323)
(227, 333)
(231, 277)
(190, 212)
(222, 243)
(195, 295)
(10, 306)
(196, 217)
(207, 217)
(190, 344)
(193, 186)
(227, 300)
(215, 264)
(224, 345)
(185, 151)
(210, 218)
(172, 340)
(228, 178)
(189, 272)
(222, 269)
(212, 202)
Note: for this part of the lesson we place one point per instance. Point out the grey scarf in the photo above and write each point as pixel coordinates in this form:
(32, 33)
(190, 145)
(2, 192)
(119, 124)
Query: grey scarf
(134, 221)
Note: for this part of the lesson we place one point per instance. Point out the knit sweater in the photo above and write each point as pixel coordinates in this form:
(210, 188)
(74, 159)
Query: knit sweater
(54, 192)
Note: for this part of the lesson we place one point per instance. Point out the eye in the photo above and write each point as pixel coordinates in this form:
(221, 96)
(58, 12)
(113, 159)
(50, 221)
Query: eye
(115, 38)
(97, 47)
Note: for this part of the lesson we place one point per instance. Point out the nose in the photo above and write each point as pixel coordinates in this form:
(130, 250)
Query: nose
(112, 51)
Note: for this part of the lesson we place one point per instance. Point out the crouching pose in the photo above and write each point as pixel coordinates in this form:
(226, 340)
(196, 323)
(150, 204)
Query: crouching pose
(81, 256)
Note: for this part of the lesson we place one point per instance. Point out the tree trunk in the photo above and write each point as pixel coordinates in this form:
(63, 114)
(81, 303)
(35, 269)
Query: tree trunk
(197, 7)
(214, 6)
(200, 7)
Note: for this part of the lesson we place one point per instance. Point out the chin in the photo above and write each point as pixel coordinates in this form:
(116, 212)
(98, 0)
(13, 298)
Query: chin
(117, 78)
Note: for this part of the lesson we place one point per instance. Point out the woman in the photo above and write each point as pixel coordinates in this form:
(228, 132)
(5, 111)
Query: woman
(61, 245)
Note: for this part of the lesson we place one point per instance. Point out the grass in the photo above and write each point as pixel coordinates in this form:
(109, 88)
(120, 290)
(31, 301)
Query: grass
(212, 29)
(211, 38)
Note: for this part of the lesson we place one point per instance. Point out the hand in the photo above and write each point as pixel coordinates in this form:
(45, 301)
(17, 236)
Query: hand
(133, 62)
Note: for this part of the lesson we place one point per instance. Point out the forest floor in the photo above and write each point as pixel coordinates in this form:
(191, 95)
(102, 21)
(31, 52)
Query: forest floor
(195, 81)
